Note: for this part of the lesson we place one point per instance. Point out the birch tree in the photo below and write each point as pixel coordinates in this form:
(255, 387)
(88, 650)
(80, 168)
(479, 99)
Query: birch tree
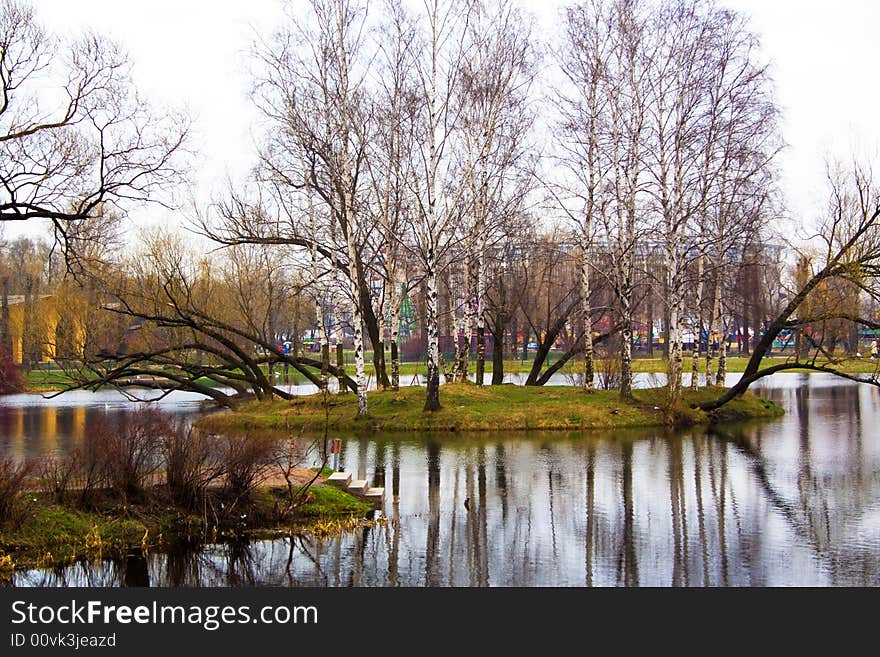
(677, 83)
(391, 168)
(740, 147)
(621, 224)
(584, 61)
(437, 184)
(496, 81)
(311, 91)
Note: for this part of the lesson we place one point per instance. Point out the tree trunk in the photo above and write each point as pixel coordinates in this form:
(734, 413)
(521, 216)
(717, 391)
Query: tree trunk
(713, 328)
(587, 310)
(371, 323)
(626, 362)
(674, 364)
(498, 350)
(722, 354)
(395, 336)
(467, 323)
(340, 350)
(481, 314)
(357, 321)
(698, 329)
(432, 400)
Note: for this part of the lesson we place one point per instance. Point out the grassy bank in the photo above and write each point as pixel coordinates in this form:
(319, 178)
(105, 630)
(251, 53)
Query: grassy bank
(41, 380)
(489, 408)
(48, 534)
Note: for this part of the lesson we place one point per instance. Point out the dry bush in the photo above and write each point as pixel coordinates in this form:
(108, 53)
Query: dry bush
(247, 461)
(60, 475)
(289, 455)
(13, 482)
(131, 451)
(608, 364)
(90, 463)
(192, 464)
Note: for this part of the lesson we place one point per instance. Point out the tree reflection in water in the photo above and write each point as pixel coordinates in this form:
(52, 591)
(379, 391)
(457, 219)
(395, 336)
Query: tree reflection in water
(794, 501)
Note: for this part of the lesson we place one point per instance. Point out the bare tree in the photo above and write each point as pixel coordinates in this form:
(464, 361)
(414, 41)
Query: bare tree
(97, 150)
(169, 319)
(584, 62)
(495, 83)
(622, 224)
(311, 91)
(845, 255)
(437, 185)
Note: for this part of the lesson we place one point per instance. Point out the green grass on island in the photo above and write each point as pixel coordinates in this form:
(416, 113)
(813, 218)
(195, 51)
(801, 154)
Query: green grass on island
(466, 407)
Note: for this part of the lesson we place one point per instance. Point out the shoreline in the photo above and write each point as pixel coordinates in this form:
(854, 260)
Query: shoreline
(42, 382)
(50, 534)
(466, 407)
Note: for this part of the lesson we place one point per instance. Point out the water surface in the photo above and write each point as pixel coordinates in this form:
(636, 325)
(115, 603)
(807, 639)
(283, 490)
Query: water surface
(787, 502)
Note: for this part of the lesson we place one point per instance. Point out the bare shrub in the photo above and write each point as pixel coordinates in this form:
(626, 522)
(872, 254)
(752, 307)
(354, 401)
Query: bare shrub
(90, 462)
(13, 483)
(130, 451)
(10, 374)
(247, 461)
(608, 364)
(60, 475)
(290, 454)
(191, 464)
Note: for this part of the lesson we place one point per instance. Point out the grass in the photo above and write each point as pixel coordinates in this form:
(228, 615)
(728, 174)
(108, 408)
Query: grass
(327, 501)
(49, 534)
(466, 407)
(40, 380)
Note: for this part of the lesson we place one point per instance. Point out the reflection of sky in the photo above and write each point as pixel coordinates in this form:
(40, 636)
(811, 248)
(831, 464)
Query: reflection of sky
(794, 501)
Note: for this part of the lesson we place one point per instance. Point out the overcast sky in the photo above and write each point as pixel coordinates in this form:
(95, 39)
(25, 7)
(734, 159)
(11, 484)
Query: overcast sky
(192, 53)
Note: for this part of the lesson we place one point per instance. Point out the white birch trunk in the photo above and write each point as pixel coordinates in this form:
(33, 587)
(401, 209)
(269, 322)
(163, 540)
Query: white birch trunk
(432, 398)
(467, 320)
(698, 329)
(481, 312)
(586, 307)
(319, 310)
(432, 402)
(395, 336)
(713, 329)
(357, 318)
(351, 221)
(673, 279)
(722, 349)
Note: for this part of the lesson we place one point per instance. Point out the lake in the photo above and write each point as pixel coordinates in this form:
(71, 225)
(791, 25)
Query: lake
(789, 502)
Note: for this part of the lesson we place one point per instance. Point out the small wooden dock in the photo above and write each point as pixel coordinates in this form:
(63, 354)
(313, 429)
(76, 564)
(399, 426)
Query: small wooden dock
(357, 487)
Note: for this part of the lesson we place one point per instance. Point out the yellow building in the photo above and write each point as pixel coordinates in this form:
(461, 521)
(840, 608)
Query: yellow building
(44, 322)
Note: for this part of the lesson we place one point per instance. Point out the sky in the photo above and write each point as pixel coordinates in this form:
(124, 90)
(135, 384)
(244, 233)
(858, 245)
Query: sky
(192, 54)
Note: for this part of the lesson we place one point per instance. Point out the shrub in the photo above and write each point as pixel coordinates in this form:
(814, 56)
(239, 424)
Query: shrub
(191, 464)
(130, 451)
(607, 364)
(247, 461)
(13, 482)
(60, 475)
(10, 375)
